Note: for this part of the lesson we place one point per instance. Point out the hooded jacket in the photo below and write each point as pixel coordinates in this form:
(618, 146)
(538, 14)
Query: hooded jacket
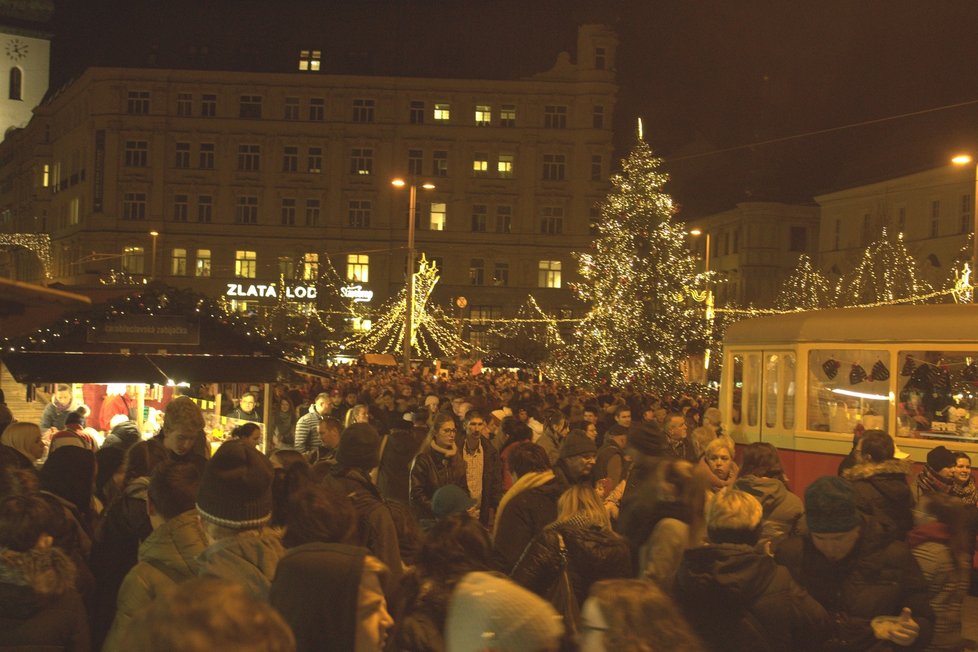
(248, 558)
(739, 599)
(123, 435)
(883, 494)
(39, 606)
(783, 511)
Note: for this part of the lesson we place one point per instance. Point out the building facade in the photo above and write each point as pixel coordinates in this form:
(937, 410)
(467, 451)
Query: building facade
(25, 59)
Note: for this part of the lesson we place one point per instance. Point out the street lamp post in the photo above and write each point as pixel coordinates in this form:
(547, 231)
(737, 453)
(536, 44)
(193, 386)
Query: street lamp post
(152, 268)
(409, 298)
(709, 293)
(965, 159)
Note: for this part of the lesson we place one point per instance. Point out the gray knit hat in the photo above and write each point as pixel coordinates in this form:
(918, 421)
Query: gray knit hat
(236, 489)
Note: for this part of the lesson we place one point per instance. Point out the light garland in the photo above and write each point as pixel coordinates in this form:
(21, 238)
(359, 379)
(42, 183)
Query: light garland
(38, 244)
(807, 288)
(887, 272)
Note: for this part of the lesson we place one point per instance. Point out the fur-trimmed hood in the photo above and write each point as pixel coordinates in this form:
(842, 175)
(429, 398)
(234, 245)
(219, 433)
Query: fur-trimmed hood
(27, 579)
(868, 470)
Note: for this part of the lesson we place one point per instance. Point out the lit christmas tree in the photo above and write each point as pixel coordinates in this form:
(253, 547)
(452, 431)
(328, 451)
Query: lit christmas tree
(886, 273)
(530, 336)
(962, 275)
(806, 289)
(637, 279)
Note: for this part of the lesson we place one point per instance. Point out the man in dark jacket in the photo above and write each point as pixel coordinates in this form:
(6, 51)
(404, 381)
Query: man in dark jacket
(246, 409)
(394, 474)
(737, 598)
(880, 484)
(856, 573)
(483, 470)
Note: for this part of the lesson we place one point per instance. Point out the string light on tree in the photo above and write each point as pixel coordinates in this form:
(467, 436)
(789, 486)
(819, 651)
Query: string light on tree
(887, 272)
(806, 289)
(531, 336)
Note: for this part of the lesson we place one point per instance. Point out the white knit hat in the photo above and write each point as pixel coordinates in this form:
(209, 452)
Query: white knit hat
(489, 613)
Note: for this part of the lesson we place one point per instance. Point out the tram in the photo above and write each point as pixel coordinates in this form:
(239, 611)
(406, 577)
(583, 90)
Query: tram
(805, 381)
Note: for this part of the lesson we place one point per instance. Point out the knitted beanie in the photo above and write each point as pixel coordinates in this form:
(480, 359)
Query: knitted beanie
(649, 439)
(940, 458)
(577, 443)
(830, 505)
(236, 489)
(489, 612)
(450, 499)
(359, 447)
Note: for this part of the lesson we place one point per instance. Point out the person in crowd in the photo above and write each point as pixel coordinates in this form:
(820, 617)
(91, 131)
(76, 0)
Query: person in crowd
(437, 464)
(679, 444)
(611, 463)
(880, 482)
(963, 487)
(488, 613)
(207, 614)
(23, 445)
(234, 503)
(6, 416)
(169, 554)
(576, 458)
(359, 413)
(283, 423)
(61, 405)
(123, 433)
(39, 606)
(318, 513)
(283, 458)
(940, 544)
(717, 466)
(762, 476)
(118, 404)
(307, 427)
(249, 433)
(581, 539)
(496, 434)
(556, 428)
(183, 432)
(483, 470)
(455, 545)
(110, 474)
(857, 573)
(627, 615)
(515, 432)
(403, 444)
(937, 475)
(737, 598)
(245, 410)
(448, 500)
(68, 475)
(75, 429)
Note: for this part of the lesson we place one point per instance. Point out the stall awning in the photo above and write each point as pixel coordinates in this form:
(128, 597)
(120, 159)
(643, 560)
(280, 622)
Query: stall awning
(48, 367)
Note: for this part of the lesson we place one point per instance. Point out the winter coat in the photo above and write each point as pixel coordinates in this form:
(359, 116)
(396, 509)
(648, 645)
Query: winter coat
(883, 494)
(492, 478)
(593, 554)
(430, 471)
(307, 430)
(610, 451)
(878, 578)
(550, 442)
(240, 415)
(394, 474)
(39, 606)
(738, 599)
(248, 558)
(54, 414)
(525, 516)
(167, 556)
(947, 582)
(283, 428)
(123, 435)
(659, 558)
(783, 511)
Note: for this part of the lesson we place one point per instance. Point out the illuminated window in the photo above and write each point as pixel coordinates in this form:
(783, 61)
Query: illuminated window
(239, 306)
(46, 176)
(249, 158)
(136, 154)
(310, 267)
(185, 104)
(202, 264)
(359, 213)
(317, 109)
(178, 262)
(74, 210)
(507, 115)
(362, 161)
(479, 218)
(205, 208)
(360, 324)
(314, 160)
(416, 114)
(312, 212)
(480, 164)
(245, 264)
(246, 210)
(504, 219)
(288, 211)
(439, 163)
(290, 159)
(137, 102)
(180, 208)
(134, 206)
(206, 158)
(363, 110)
(483, 115)
(182, 158)
(477, 271)
(500, 275)
(438, 210)
(291, 108)
(554, 167)
(309, 60)
(208, 105)
(415, 162)
(549, 274)
(442, 112)
(555, 116)
(552, 220)
(133, 260)
(504, 167)
(597, 117)
(249, 106)
(358, 268)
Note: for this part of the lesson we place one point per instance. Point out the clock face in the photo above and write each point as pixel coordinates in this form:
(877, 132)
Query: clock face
(16, 49)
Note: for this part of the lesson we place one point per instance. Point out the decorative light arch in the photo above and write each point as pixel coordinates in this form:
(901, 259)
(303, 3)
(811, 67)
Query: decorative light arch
(37, 243)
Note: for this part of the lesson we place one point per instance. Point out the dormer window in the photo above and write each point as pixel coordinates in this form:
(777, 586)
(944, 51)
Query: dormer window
(309, 60)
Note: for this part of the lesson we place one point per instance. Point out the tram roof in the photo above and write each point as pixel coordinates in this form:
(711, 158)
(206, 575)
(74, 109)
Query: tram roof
(920, 323)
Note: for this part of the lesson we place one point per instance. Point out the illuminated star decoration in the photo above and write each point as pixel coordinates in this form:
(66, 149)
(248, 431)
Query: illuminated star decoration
(38, 244)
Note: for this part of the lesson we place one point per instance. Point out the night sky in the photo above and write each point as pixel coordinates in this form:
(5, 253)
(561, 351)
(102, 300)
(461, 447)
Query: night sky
(706, 75)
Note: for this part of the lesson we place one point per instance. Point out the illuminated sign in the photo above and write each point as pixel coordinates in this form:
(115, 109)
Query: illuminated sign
(239, 290)
(357, 293)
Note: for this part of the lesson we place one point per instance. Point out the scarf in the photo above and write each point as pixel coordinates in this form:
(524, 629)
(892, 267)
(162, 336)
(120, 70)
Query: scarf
(966, 492)
(447, 452)
(525, 482)
(930, 482)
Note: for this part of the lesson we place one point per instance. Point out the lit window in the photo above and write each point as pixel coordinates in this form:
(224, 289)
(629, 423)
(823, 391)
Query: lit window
(361, 161)
(504, 166)
(246, 210)
(290, 159)
(74, 211)
(359, 213)
(552, 220)
(477, 271)
(205, 208)
(480, 164)
(555, 116)
(180, 208)
(417, 112)
(507, 115)
(439, 164)
(249, 158)
(312, 212)
(185, 104)
(309, 60)
(133, 260)
(442, 112)
(479, 218)
(137, 153)
(549, 274)
(363, 110)
(504, 219)
(245, 264)
(358, 268)
(249, 106)
(46, 176)
(134, 206)
(208, 105)
(182, 158)
(292, 108)
(178, 262)
(137, 102)
(314, 160)
(288, 211)
(360, 324)
(310, 267)
(554, 167)
(202, 265)
(438, 211)
(483, 115)
(317, 109)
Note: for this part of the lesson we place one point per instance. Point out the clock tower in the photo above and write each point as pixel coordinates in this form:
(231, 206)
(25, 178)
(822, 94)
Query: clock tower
(25, 59)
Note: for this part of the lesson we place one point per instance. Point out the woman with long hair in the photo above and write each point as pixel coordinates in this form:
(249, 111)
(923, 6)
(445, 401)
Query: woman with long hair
(23, 446)
(762, 476)
(437, 464)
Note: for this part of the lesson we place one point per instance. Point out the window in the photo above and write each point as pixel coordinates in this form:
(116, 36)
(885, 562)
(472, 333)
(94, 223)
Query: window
(797, 239)
(477, 271)
(480, 164)
(309, 60)
(208, 105)
(507, 115)
(205, 208)
(182, 159)
(500, 275)
(133, 260)
(548, 275)
(504, 166)
(967, 205)
(438, 211)
(596, 167)
(599, 58)
(202, 263)
(134, 206)
(361, 161)
(504, 219)
(137, 153)
(555, 116)
(935, 218)
(832, 411)
(597, 117)
(245, 264)
(312, 212)
(837, 235)
(310, 267)
(736, 240)
(181, 205)
(901, 219)
(314, 159)
(479, 216)
(359, 213)
(185, 106)
(249, 158)
(363, 110)
(286, 267)
(288, 211)
(137, 102)
(207, 156)
(249, 106)
(483, 115)
(442, 112)
(439, 164)
(358, 268)
(46, 176)
(416, 113)
(552, 220)
(74, 210)
(553, 167)
(178, 262)
(415, 162)
(16, 84)
(291, 108)
(246, 210)
(290, 159)
(317, 109)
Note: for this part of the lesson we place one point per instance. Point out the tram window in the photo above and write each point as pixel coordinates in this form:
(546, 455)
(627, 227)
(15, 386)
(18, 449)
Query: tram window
(736, 398)
(753, 387)
(771, 369)
(847, 387)
(937, 394)
(789, 393)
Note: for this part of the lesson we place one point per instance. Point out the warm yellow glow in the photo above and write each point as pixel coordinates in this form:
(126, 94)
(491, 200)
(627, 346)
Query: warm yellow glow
(428, 186)
(696, 231)
(962, 159)
(154, 233)
(398, 182)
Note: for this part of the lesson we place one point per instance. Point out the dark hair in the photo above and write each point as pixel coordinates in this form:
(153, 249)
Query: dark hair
(109, 460)
(622, 408)
(474, 413)
(454, 546)
(251, 394)
(319, 513)
(877, 445)
(69, 473)
(22, 520)
(552, 418)
(142, 458)
(515, 430)
(244, 430)
(761, 459)
(961, 455)
(527, 457)
(285, 484)
(289, 456)
(173, 487)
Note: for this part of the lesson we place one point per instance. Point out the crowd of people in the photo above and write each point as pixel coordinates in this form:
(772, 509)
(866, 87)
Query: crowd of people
(470, 514)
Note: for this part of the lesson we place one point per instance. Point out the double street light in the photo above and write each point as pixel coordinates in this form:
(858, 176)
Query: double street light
(409, 298)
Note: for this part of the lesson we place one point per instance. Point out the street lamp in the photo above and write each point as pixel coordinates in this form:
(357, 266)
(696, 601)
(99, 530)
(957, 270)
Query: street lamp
(695, 232)
(965, 159)
(409, 298)
(152, 268)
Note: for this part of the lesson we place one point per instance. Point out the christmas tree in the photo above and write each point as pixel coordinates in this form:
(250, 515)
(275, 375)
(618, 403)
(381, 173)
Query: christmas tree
(886, 273)
(806, 289)
(637, 279)
(531, 336)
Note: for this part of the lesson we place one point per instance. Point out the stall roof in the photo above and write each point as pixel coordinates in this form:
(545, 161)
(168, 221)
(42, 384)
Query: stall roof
(50, 367)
